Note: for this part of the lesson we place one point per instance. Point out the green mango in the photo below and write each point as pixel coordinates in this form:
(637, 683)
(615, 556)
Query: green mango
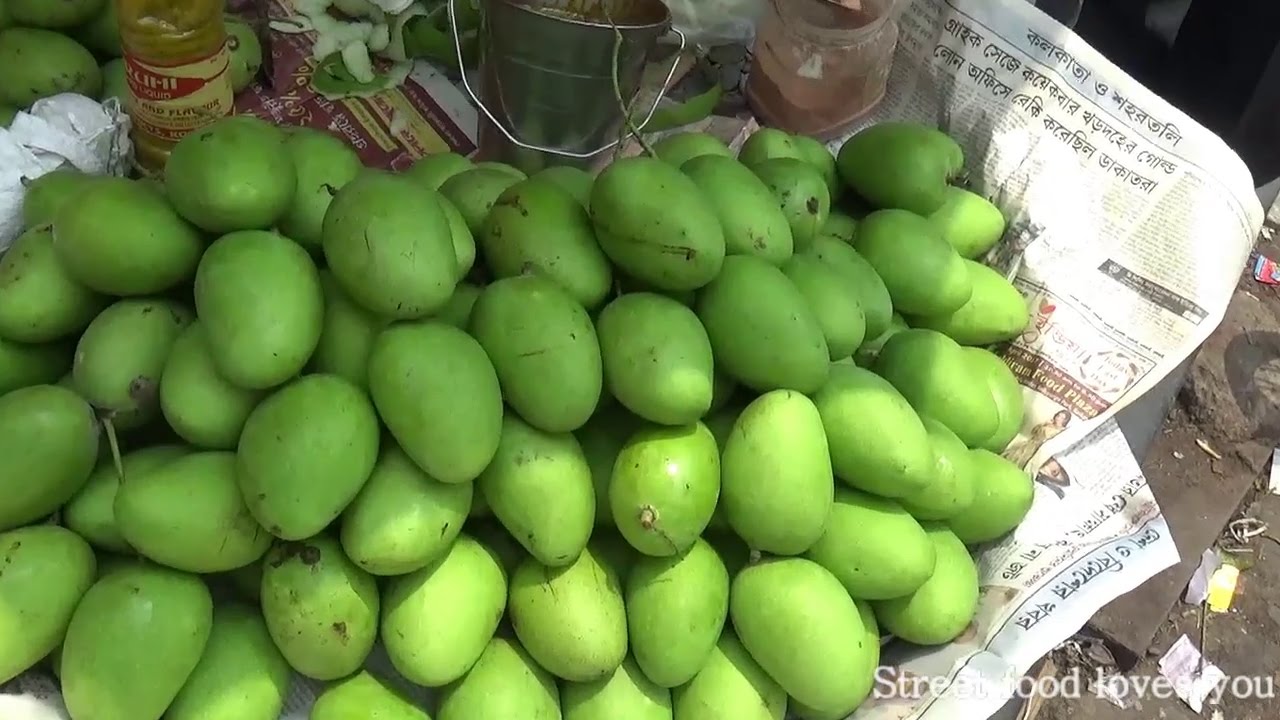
(613, 550)
(438, 394)
(679, 148)
(101, 33)
(504, 683)
(133, 641)
(873, 296)
(534, 226)
(873, 547)
(200, 405)
(109, 563)
(801, 193)
(723, 390)
(768, 144)
(901, 165)
(321, 610)
(664, 487)
(554, 387)
(407, 225)
(91, 513)
(490, 533)
(23, 365)
(430, 171)
(121, 238)
(1003, 493)
(188, 514)
(47, 194)
(655, 224)
(797, 621)
(571, 619)
(995, 312)
(304, 454)
(835, 303)
(240, 676)
(730, 685)
(437, 621)
(47, 569)
(866, 355)
(601, 439)
(457, 312)
(952, 489)
(903, 248)
(121, 355)
(502, 167)
(245, 50)
(657, 358)
(235, 174)
(878, 443)
(365, 696)
(403, 519)
(464, 243)
(625, 694)
(626, 284)
(817, 155)
(840, 226)
(37, 63)
(260, 302)
(941, 609)
(7, 112)
(60, 16)
(762, 332)
(777, 484)
(969, 222)
(347, 335)
(933, 373)
(1005, 391)
(575, 181)
(749, 214)
(676, 609)
(323, 164)
(115, 81)
(530, 466)
(474, 191)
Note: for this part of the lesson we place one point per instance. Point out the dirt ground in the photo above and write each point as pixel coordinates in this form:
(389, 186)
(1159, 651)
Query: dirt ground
(1231, 405)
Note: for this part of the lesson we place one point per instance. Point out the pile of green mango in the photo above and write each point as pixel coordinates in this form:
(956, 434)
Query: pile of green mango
(73, 46)
(679, 441)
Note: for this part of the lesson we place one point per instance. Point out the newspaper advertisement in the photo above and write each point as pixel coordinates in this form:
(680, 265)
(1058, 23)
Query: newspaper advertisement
(1128, 226)
(388, 129)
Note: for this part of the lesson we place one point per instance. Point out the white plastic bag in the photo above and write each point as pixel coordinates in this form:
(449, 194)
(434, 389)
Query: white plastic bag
(58, 131)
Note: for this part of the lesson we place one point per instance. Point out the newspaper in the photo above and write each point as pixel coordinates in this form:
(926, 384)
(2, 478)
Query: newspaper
(1129, 224)
(388, 129)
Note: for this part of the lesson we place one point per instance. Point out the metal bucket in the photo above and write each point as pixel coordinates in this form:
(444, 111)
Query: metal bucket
(547, 76)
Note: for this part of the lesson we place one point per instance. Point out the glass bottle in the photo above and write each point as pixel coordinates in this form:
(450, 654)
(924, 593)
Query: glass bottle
(820, 65)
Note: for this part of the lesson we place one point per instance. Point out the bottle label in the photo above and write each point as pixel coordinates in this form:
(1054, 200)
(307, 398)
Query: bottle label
(168, 102)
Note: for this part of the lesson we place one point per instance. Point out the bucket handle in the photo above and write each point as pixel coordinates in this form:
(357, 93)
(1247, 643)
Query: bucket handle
(457, 46)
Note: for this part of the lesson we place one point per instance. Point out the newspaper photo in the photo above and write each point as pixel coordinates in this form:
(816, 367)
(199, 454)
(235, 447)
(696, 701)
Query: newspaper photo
(1128, 226)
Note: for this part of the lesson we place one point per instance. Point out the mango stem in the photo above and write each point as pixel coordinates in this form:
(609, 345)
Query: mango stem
(114, 444)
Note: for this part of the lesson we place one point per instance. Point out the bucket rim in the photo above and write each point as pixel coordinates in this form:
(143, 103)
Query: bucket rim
(525, 6)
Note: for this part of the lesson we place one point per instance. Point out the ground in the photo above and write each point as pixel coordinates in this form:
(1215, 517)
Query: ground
(1215, 446)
